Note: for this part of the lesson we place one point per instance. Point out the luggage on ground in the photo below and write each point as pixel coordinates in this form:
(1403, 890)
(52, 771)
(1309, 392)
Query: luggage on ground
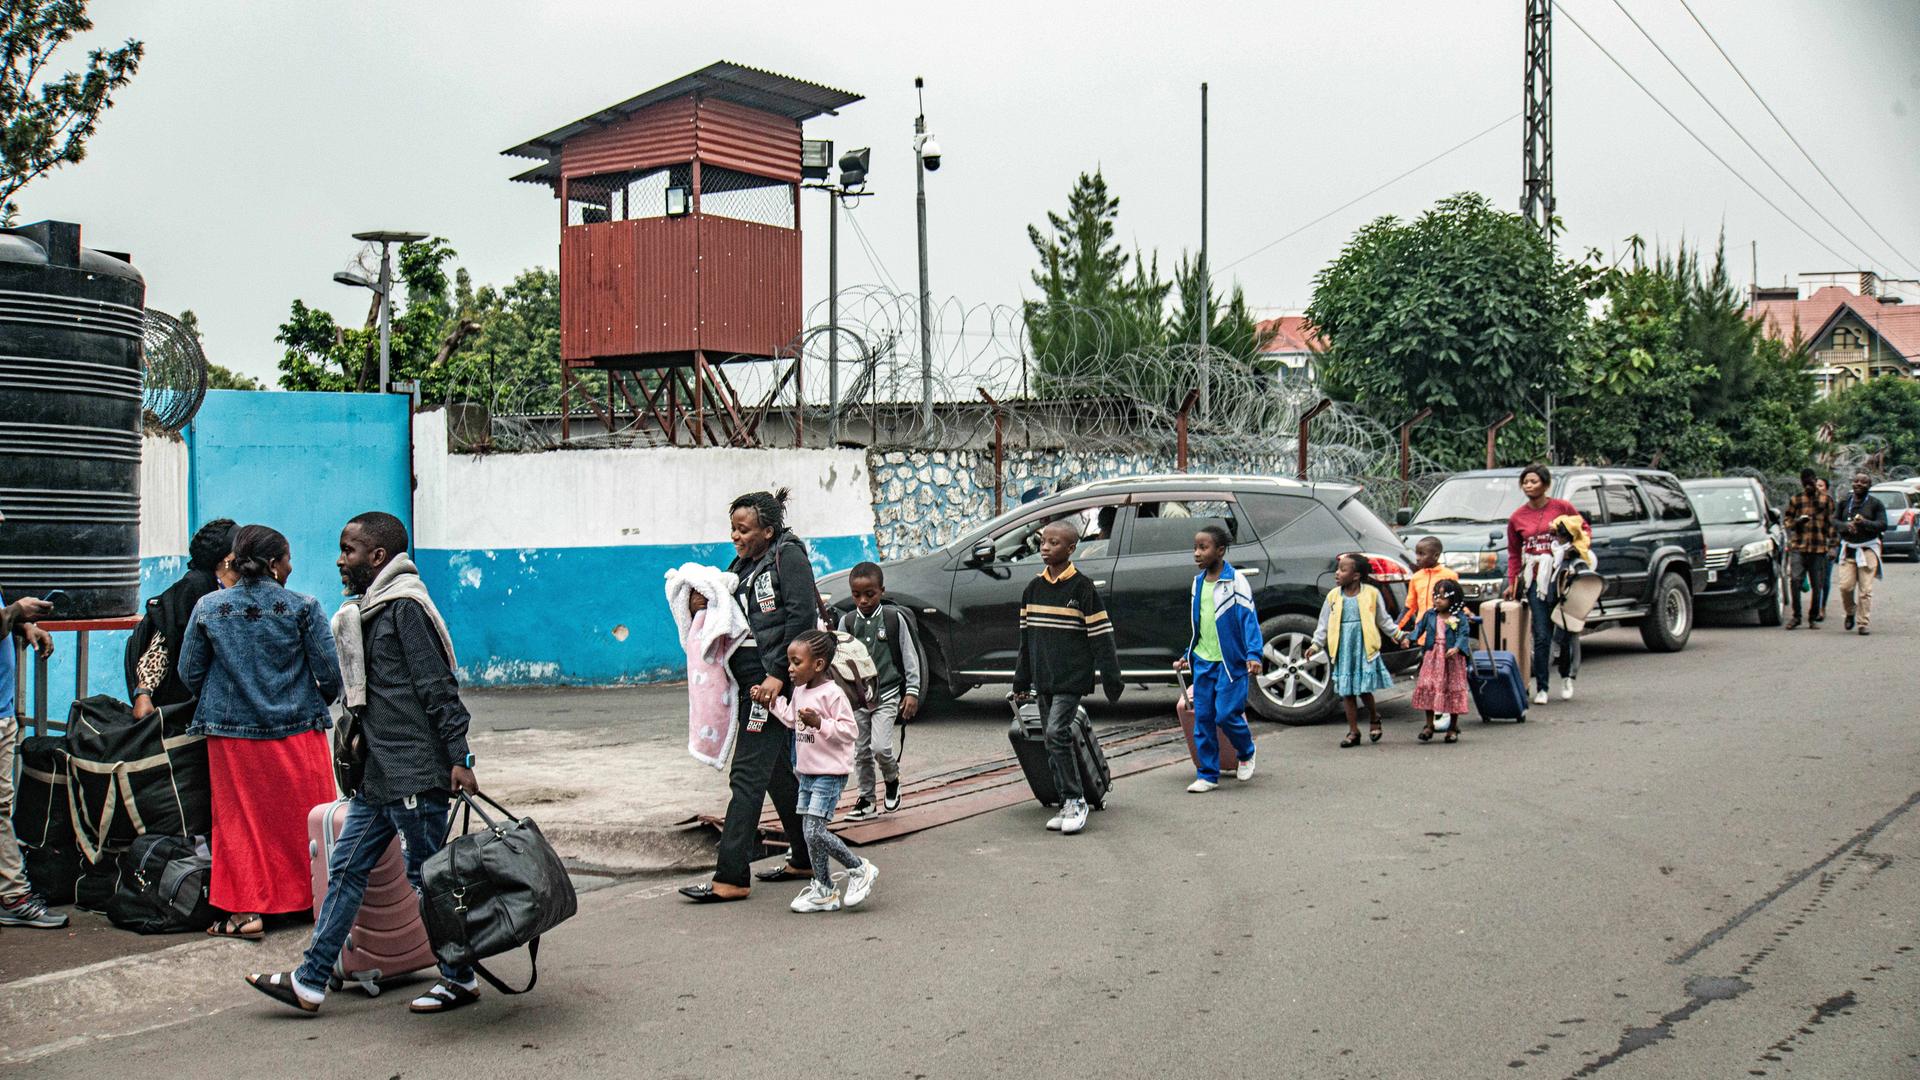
(388, 938)
(127, 777)
(99, 880)
(55, 872)
(1029, 737)
(492, 891)
(1229, 757)
(1499, 691)
(40, 815)
(1505, 626)
(163, 887)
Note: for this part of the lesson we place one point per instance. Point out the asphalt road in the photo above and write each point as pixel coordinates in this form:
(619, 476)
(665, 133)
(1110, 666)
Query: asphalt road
(1706, 865)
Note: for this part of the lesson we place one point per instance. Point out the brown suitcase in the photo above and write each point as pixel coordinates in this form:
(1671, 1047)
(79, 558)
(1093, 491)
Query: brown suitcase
(1183, 710)
(1504, 626)
(388, 938)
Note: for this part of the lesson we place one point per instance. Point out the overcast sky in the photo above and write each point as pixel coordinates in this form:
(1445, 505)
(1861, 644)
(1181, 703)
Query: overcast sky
(258, 136)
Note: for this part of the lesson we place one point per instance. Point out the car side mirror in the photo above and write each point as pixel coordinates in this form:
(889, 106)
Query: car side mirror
(982, 554)
(1403, 516)
(1773, 516)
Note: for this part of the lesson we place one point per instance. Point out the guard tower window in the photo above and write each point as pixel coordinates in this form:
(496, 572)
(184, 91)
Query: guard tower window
(746, 197)
(624, 196)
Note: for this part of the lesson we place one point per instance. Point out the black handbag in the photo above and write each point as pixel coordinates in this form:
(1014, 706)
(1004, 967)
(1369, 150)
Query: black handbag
(40, 815)
(349, 752)
(489, 892)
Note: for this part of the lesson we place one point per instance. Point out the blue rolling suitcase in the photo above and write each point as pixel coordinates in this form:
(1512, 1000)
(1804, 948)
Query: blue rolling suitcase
(1498, 691)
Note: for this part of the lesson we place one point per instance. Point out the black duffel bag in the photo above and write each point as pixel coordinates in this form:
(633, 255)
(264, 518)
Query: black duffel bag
(492, 891)
(40, 815)
(128, 777)
(163, 887)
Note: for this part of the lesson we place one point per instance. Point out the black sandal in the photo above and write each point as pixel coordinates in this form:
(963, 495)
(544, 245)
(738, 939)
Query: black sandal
(233, 926)
(783, 872)
(444, 996)
(279, 987)
(704, 894)
(1453, 736)
(1426, 733)
(1352, 739)
(1373, 733)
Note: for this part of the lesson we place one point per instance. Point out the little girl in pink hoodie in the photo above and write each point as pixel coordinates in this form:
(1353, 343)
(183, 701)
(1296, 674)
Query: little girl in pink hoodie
(823, 735)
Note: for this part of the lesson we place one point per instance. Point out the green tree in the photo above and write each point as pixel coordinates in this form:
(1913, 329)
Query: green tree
(513, 355)
(1097, 303)
(1464, 309)
(322, 355)
(1885, 411)
(45, 120)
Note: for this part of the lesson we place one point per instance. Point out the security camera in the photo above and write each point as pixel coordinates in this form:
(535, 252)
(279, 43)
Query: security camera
(930, 152)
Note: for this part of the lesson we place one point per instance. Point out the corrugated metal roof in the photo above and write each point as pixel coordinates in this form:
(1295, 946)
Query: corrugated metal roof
(782, 95)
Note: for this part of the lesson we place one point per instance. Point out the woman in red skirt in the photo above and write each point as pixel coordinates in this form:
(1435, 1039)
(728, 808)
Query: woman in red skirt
(261, 661)
(1442, 685)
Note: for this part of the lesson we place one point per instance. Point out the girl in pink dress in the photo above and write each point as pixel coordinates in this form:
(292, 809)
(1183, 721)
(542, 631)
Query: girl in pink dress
(1442, 686)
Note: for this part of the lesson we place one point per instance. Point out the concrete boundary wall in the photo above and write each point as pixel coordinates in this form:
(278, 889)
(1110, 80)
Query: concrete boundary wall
(550, 567)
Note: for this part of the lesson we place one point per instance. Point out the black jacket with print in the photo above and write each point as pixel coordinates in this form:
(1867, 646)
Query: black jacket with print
(778, 594)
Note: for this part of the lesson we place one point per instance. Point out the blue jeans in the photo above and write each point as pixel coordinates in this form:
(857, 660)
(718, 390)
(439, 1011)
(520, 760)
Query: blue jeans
(369, 828)
(1219, 701)
(1545, 637)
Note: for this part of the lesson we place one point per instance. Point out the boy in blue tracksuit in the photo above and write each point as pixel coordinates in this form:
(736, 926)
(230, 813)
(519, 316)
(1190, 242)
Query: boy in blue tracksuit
(1223, 652)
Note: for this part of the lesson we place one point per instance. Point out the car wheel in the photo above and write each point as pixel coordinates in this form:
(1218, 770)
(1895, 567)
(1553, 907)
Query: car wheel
(1773, 607)
(1668, 626)
(939, 691)
(1292, 689)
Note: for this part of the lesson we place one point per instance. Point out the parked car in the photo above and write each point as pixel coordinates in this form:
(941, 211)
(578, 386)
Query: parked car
(1746, 549)
(1902, 500)
(1137, 546)
(1645, 537)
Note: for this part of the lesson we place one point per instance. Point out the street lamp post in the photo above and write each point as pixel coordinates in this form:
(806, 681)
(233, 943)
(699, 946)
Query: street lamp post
(926, 155)
(382, 289)
(852, 185)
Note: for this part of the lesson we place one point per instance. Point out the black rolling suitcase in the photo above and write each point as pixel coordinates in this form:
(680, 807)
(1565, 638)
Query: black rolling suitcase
(1029, 737)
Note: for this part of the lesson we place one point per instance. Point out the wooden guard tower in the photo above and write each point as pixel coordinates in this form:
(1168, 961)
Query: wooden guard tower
(680, 243)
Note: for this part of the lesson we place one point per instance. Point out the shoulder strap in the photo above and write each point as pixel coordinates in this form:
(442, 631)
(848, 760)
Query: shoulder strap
(895, 625)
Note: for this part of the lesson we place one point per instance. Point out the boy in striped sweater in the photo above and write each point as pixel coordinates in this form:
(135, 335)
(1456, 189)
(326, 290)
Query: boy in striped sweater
(1065, 638)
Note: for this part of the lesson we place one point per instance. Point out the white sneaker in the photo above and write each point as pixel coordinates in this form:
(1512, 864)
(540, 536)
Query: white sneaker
(815, 897)
(1201, 787)
(1053, 823)
(1566, 689)
(860, 882)
(1539, 697)
(1244, 770)
(1074, 818)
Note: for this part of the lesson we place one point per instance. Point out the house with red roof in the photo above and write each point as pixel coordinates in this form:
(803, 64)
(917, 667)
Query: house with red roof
(1856, 326)
(1293, 347)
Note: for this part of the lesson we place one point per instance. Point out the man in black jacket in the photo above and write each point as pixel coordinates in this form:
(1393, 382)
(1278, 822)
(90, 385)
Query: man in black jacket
(415, 753)
(1859, 519)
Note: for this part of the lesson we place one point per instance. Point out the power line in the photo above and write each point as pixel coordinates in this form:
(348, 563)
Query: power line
(1911, 265)
(873, 257)
(1695, 136)
(1861, 248)
(1463, 144)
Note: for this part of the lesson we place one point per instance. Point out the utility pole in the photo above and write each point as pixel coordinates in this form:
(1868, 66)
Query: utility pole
(1206, 275)
(926, 296)
(386, 238)
(833, 318)
(1536, 191)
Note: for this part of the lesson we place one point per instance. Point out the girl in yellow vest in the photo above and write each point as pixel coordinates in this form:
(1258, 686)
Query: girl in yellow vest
(1356, 615)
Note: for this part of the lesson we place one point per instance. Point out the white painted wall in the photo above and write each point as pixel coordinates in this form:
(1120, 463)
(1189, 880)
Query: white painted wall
(163, 497)
(622, 498)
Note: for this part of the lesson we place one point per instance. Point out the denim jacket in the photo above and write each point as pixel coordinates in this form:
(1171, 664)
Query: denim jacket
(261, 661)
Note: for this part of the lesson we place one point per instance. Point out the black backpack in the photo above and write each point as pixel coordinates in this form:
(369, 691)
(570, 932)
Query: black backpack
(163, 887)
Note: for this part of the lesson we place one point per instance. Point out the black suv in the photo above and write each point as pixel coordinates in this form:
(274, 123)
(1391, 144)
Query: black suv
(1645, 537)
(1137, 546)
(1746, 549)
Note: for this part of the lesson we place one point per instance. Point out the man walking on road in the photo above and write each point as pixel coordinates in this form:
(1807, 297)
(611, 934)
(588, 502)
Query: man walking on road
(1809, 538)
(1861, 520)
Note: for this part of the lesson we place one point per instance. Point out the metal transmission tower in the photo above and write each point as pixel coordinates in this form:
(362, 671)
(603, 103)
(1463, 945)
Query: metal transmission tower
(1536, 191)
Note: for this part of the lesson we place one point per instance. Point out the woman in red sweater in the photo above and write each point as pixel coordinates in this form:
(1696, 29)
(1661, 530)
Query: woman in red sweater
(1530, 561)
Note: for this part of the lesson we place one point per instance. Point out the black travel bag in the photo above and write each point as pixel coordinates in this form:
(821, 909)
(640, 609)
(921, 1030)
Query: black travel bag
(492, 891)
(163, 887)
(1029, 737)
(128, 777)
(40, 815)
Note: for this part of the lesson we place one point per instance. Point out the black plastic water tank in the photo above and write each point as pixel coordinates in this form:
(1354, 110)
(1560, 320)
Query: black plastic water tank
(71, 331)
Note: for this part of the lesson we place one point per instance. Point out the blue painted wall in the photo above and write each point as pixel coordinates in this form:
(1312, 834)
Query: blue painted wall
(578, 616)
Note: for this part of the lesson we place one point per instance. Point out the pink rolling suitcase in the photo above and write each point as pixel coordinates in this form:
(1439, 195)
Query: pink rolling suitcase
(388, 939)
(1229, 757)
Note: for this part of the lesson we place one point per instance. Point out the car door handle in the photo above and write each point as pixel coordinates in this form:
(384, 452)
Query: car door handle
(1099, 584)
(1601, 543)
(1254, 572)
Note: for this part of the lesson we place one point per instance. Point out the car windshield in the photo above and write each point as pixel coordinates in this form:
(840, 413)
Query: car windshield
(1472, 499)
(1726, 505)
